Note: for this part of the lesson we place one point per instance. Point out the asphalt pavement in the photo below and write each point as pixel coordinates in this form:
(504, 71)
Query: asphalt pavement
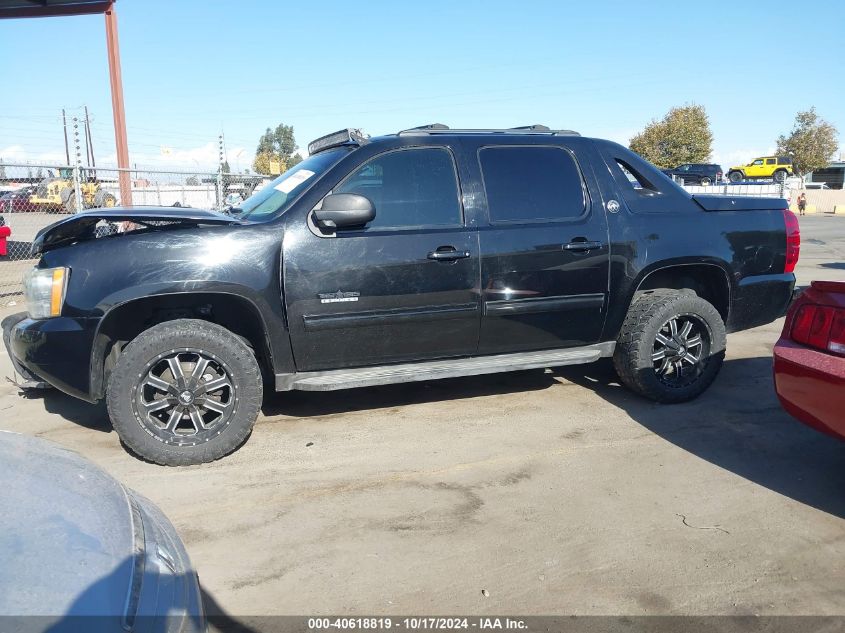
(539, 492)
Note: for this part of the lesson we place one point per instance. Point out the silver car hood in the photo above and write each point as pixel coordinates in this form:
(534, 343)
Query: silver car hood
(64, 525)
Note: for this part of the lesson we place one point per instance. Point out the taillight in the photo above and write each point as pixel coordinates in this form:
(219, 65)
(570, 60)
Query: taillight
(793, 240)
(822, 327)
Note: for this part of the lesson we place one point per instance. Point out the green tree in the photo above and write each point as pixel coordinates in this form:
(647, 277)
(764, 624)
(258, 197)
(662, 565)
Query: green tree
(811, 143)
(192, 181)
(682, 136)
(267, 163)
(294, 159)
(276, 147)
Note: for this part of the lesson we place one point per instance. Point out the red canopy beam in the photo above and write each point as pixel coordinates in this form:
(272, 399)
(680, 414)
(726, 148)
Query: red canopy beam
(118, 110)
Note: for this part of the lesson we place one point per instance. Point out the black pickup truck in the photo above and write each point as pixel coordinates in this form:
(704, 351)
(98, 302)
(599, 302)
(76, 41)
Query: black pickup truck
(426, 254)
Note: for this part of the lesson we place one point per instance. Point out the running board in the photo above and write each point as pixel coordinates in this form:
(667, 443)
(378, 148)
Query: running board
(436, 369)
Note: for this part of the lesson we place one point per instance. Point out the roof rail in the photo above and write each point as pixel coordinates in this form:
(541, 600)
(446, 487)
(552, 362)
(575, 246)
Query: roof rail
(439, 128)
(427, 127)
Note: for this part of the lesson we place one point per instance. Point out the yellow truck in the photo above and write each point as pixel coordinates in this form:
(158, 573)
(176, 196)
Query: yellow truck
(775, 168)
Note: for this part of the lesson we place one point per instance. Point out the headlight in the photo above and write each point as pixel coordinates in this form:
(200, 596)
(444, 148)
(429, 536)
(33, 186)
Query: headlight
(44, 289)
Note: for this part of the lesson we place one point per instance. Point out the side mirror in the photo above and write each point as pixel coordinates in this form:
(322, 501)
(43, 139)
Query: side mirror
(344, 210)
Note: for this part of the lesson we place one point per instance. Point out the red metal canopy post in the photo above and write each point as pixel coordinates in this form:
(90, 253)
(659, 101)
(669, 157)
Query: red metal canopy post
(118, 110)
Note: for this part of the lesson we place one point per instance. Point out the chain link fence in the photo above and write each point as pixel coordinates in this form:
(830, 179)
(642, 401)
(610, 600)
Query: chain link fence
(35, 196)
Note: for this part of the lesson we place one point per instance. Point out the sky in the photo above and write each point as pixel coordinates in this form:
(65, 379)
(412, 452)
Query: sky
(194, 70)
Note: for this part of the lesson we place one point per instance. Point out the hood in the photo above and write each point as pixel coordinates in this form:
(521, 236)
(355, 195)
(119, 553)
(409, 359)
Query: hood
(64, 526)
(83, 226)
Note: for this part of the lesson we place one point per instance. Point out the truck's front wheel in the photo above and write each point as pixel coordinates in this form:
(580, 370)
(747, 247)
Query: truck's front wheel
(671, 346)
(184, 392)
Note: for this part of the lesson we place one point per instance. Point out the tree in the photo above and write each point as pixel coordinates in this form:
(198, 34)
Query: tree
(276, 148)
(682, 136)
(2, 168)
(192, 181)
(811, 143)
(267, 163)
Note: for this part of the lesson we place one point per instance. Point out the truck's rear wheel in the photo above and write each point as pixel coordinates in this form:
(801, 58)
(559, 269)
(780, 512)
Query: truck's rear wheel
(671, 346)
(779, 175)
(184, 392)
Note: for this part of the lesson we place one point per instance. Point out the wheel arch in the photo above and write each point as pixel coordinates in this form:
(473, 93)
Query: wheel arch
(123, 322)
(709, 280)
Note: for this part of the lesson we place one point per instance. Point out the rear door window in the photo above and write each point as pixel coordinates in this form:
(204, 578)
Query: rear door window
(532, 184)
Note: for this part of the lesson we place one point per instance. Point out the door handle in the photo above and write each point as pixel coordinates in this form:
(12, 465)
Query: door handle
(447, 254)
(581, 245)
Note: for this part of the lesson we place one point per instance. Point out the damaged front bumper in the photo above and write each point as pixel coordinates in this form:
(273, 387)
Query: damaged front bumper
(55, 351)
(29, 379)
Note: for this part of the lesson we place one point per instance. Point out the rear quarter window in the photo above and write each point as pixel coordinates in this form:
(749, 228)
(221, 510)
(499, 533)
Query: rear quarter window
(644, 188)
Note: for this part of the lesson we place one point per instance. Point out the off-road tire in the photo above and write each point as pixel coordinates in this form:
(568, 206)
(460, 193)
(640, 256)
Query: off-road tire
(735, 176)
(104, 199)
(706, 182)
(649, 311)
(779, 176)
(130, 372)
(70, 204)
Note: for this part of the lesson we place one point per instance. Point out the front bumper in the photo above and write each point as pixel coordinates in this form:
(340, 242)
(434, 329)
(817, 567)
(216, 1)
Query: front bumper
(810, 385)
(55, 351)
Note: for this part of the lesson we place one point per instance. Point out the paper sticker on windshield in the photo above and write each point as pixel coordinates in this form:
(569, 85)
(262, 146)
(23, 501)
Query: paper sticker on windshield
(291, 182)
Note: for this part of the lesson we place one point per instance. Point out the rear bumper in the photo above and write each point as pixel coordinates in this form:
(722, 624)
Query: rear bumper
(759, 300)
(57, 351)
(810, 385)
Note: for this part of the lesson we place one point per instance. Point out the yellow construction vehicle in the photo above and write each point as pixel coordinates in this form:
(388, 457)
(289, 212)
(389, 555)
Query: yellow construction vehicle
(57, 194)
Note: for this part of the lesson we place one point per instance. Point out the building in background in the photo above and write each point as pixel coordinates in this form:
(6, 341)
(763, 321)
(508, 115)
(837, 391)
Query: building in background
(832, 175)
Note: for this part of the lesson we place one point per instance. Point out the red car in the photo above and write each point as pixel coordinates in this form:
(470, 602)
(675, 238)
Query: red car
(810, 358)
(18, 201)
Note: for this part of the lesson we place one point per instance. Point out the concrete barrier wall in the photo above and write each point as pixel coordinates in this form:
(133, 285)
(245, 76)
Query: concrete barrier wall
(820, 200)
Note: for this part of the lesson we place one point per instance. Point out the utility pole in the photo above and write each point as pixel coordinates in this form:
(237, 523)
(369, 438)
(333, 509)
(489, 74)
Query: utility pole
(87, 149)
(67, 149)
(77, 175)
(220, 174)
(89, 140)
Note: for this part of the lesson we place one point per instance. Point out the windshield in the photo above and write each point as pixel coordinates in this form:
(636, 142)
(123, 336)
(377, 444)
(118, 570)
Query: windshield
(277, 196)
